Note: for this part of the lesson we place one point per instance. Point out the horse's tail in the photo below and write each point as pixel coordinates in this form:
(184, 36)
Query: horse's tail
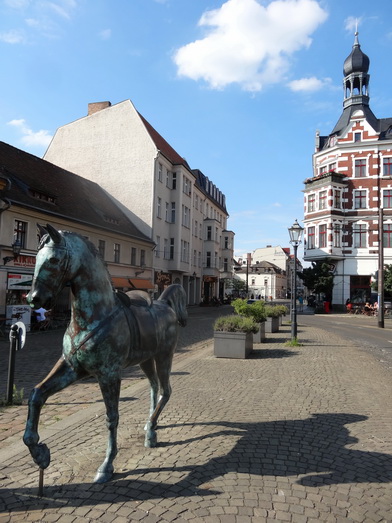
(175, 297)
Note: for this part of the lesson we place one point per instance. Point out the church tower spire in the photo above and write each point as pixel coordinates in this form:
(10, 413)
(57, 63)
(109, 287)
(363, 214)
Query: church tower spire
(356, 77)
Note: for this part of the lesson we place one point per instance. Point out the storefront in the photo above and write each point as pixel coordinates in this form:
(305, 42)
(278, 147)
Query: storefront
(17, 308)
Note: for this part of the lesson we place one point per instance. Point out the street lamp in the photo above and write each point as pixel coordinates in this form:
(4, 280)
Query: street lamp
(295, 232)
(16, 248)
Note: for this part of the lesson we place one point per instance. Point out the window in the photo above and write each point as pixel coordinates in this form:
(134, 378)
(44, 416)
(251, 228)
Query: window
(196, 201)
(133, 256)
(226, 242)
(20, 233)
(186, 185)
(116, 253)
(166, 249)
(387, 198)
(322, 200)
(174, 180)
(195, 228)
(173, 212)
(184, 251)
(167, 211)
(159, 207)
(332, 167)
(387, 166)
(101, 248)
(336, 236)
(225, 264)
(185, 216)
(158, 247)
(360, 168)
(359, 235)
(311, 234)
(322, 236)
(337, 199)
(360, 199)
(209, 232)
(160, 170)
(194, 258)
(357, 137)
(142, 257)
(311, 202)
(387, 236)
(171, 254)
(208, 259)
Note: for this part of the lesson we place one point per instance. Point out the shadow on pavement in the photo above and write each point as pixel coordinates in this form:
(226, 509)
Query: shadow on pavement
(316, 450)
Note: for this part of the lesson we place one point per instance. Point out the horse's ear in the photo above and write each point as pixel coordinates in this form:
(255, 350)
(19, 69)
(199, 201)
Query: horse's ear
(53, 233)
(41, 231)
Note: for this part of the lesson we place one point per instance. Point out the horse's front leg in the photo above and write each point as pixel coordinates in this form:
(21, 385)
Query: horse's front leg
(111, 395)
(59, 377)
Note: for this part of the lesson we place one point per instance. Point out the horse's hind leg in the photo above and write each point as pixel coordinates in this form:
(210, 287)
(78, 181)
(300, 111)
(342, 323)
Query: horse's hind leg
(162, 370)
(111, 395)
(59, 377)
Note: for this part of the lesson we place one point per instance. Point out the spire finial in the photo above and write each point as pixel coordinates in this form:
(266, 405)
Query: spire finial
(356, 42)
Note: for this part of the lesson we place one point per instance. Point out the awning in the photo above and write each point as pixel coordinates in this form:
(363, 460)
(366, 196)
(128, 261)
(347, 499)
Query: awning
(131, 283)
(120, 283)
(140, 284)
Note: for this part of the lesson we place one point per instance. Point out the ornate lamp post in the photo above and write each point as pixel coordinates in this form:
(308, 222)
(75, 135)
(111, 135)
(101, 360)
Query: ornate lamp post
(295, 232)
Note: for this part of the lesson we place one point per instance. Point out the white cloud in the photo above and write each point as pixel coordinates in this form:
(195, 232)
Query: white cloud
(352, 23)
(29, 138)
(105, 34)
(308, 85)
(248, 43)
(12, 37)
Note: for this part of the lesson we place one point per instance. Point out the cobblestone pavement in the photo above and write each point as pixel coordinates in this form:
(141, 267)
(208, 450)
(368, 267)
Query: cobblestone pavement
(301, 434)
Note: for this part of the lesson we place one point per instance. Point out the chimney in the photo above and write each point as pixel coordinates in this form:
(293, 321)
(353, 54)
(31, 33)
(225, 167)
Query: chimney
(97, 106)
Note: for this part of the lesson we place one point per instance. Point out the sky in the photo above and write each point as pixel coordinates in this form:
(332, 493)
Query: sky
(237, 87)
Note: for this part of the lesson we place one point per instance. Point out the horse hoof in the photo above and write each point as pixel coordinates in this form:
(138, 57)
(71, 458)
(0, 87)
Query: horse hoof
(41, 455)
(150, 440)
(103, 477)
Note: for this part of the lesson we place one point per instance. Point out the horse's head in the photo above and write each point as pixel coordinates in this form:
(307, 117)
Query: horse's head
(51, 267)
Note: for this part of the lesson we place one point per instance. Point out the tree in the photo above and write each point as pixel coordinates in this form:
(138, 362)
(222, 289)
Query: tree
(318, 278)
(387, 281)
(238, 286)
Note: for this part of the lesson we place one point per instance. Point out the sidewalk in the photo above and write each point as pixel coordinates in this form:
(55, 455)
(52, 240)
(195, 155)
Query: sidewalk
(299, 434)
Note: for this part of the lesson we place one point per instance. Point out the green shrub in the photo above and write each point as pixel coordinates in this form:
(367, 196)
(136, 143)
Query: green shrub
(235, 323)
(254, 310)
(283, 309)
(272, 311)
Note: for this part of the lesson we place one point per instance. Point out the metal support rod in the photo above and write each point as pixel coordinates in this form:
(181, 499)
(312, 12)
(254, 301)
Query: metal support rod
(11, 363)
(294, 314)
(41, 483)
(380, 288)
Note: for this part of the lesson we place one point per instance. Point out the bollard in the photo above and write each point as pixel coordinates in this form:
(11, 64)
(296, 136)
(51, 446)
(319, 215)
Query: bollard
(14, 340)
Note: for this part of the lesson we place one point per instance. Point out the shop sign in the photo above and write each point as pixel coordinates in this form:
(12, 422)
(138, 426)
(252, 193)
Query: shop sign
(19, 282)
(24, 260)
(162, 279)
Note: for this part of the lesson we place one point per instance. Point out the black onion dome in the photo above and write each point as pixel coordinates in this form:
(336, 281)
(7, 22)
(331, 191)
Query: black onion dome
(357, 61)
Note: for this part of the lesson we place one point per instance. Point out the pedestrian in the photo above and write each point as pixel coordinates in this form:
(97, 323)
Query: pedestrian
(301, 303)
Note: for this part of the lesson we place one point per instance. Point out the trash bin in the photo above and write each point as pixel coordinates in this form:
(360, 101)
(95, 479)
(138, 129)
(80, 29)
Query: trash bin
(326, 307)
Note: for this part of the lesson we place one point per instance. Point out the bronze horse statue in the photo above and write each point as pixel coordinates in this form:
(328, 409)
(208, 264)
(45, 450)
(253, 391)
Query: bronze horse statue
(107, 332)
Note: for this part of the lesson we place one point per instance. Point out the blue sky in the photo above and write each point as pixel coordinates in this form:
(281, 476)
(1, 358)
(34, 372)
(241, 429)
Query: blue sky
(237, 87)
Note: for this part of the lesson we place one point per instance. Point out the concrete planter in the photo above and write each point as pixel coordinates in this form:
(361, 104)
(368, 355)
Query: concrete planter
(232, 344)
(272, 324)
(259, 337)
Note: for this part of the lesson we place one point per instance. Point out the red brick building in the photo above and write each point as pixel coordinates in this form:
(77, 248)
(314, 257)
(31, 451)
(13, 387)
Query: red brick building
(351, 182)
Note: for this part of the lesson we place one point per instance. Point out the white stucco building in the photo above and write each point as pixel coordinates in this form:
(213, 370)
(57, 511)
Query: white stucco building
(179, 208)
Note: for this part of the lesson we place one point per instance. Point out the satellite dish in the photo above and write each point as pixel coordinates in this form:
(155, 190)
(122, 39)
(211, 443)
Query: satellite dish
(21, 333)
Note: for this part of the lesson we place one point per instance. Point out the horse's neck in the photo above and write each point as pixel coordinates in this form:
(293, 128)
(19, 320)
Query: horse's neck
(93, 297)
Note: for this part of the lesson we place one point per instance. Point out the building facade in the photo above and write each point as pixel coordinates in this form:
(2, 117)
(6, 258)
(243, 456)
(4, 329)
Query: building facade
(177, 207)
(34, 191)
(349, 196)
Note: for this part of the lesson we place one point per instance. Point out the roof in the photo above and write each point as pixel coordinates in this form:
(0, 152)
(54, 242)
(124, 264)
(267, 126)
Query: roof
(165, 148)
(43, 186)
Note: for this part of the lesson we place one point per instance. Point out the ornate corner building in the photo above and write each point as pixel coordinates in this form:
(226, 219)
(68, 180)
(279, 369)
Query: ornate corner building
(350, 192)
